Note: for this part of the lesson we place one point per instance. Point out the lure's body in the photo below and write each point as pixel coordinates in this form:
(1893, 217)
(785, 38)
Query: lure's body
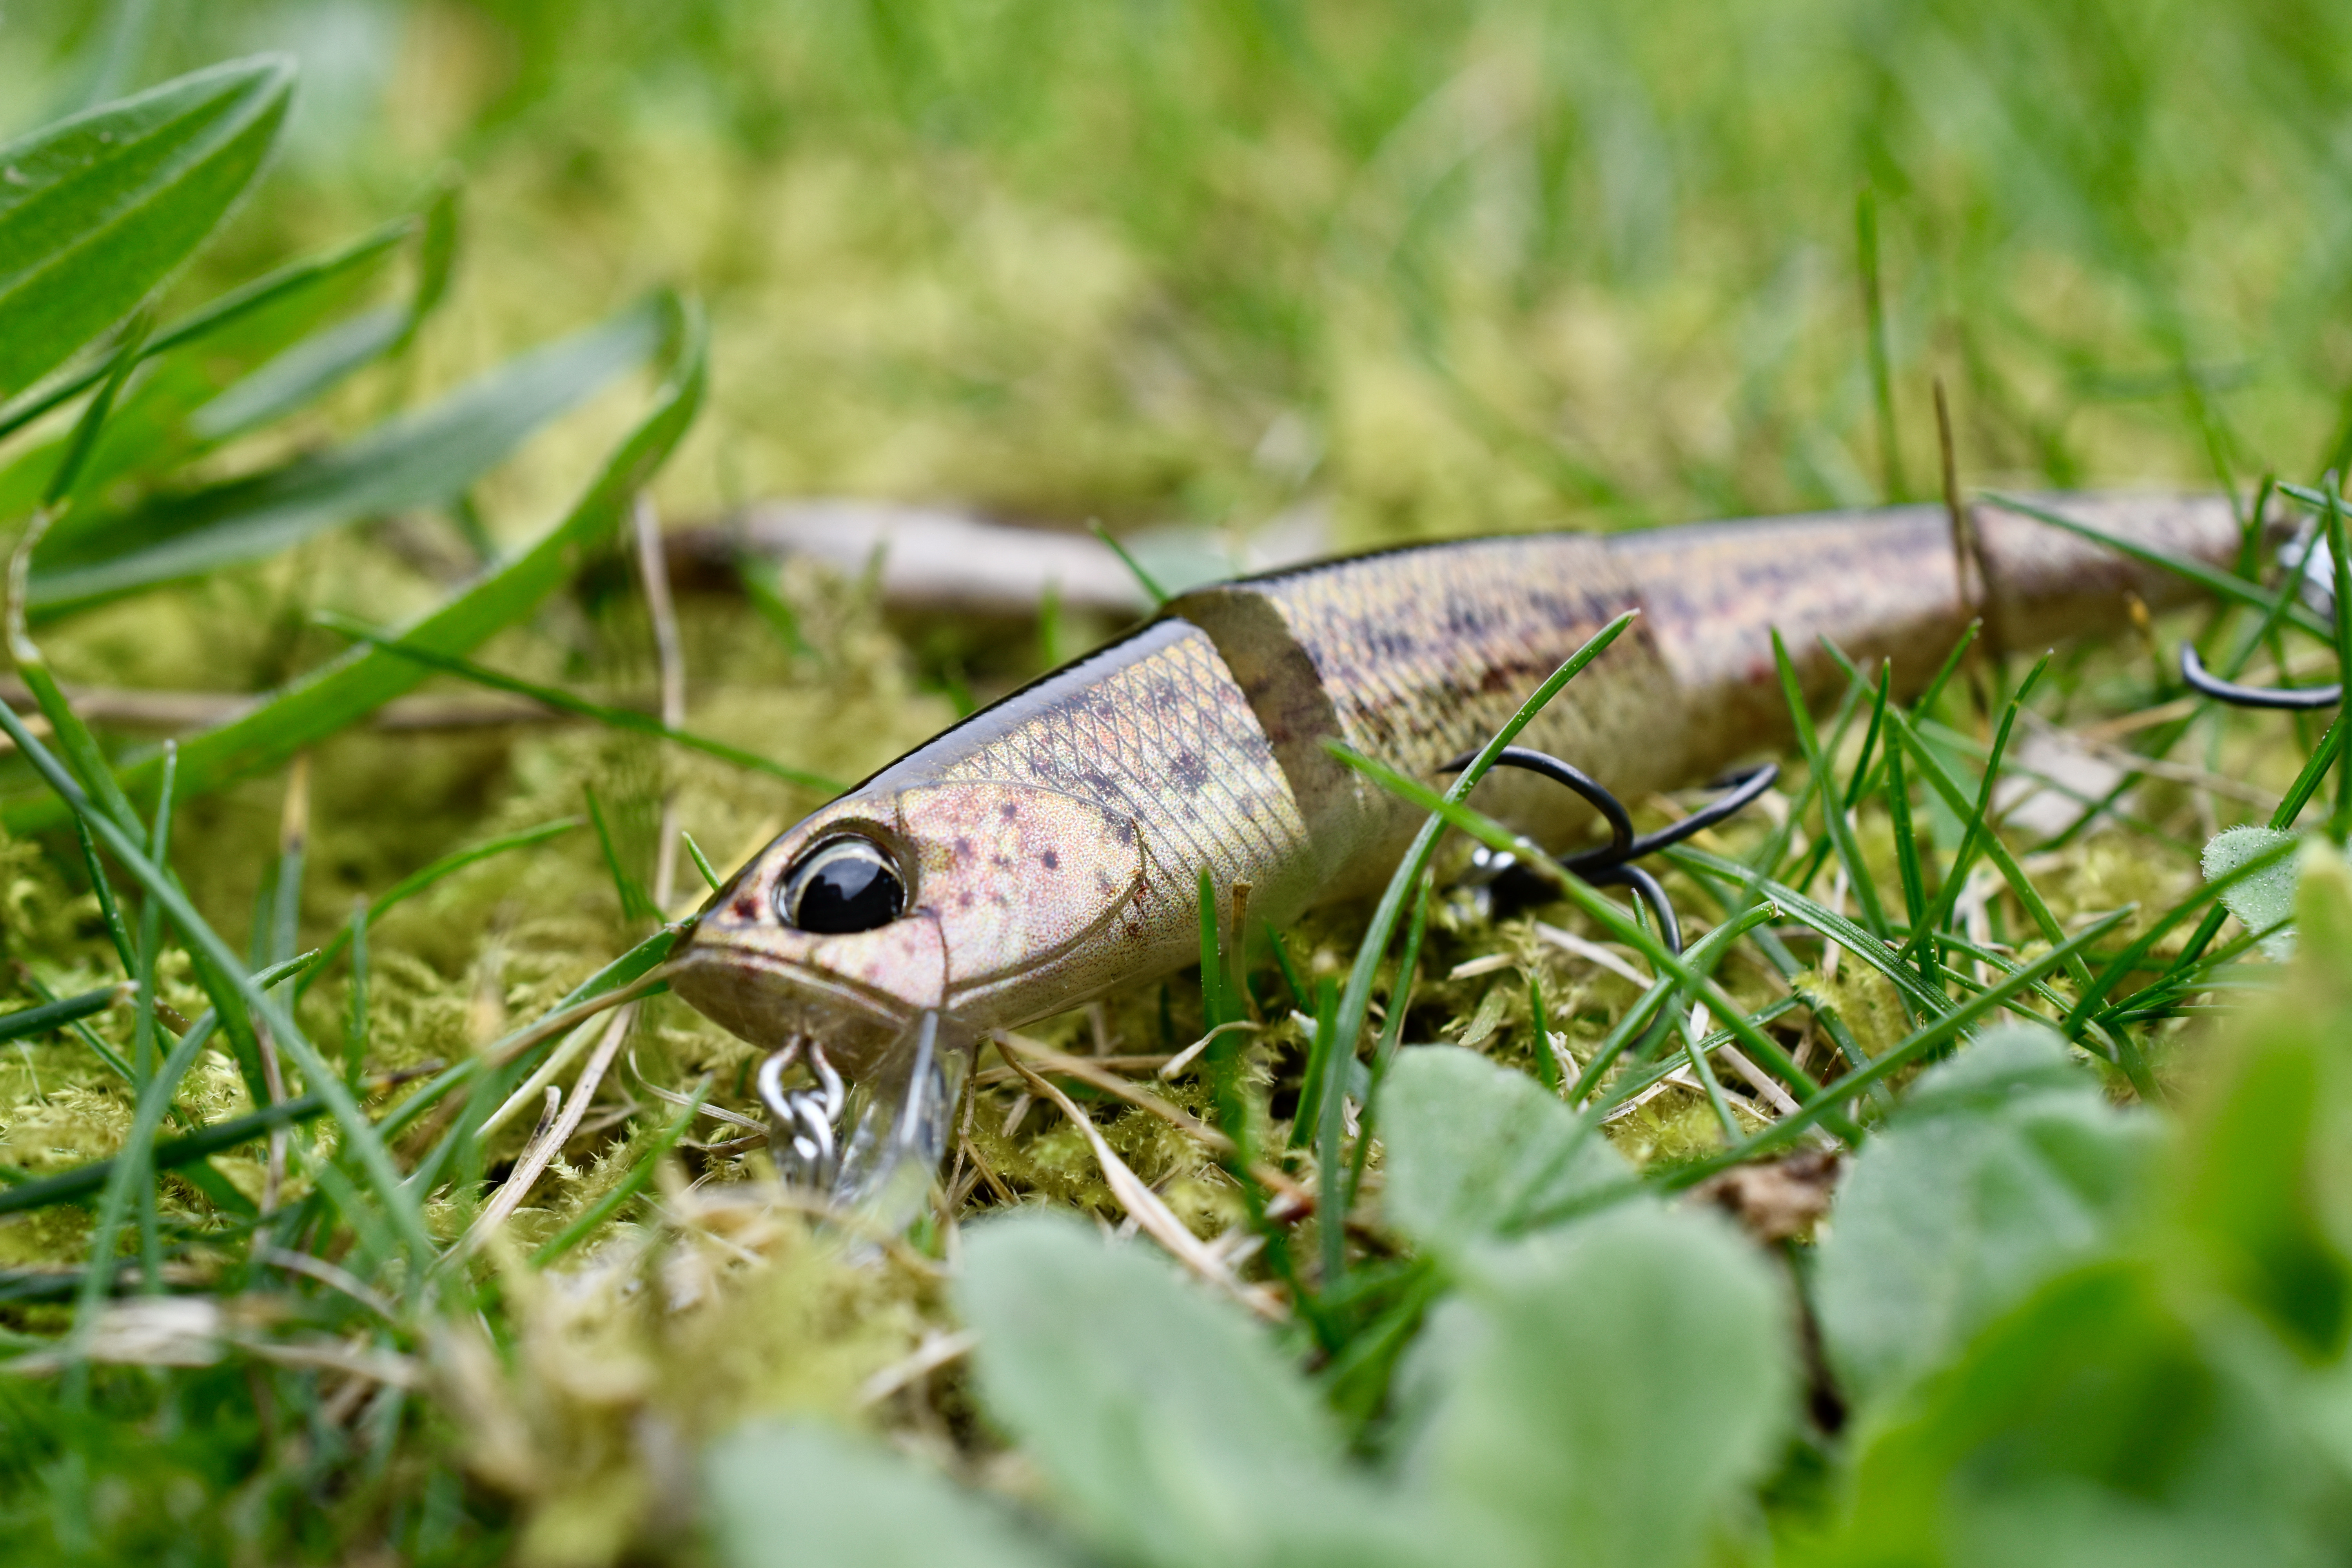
(1050, 846)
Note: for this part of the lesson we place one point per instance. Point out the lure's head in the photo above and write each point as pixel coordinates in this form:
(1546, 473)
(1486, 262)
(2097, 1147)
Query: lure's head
(969, 897)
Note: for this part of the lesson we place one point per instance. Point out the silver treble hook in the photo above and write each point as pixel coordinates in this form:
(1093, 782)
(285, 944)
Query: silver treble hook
(807, 1152)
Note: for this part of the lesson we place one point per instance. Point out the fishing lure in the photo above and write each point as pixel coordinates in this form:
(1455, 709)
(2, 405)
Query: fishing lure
(1049, 848)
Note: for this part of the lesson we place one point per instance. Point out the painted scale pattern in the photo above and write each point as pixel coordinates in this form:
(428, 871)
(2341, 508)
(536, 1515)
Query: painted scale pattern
(1415, 656)
(1160, 732)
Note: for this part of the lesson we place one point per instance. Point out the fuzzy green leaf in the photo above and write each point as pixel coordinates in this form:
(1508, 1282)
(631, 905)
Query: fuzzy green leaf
(2263, 899)
(2265, 1195)
(782, 1494)
(97, 209)
(417, 459)
(2105, 1423)
(1166, 1421)
(1603, 1393)
(2004, 1165)
(1471, 1148)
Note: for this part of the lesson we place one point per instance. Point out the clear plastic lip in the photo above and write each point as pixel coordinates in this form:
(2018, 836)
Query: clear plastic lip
(874, 1147)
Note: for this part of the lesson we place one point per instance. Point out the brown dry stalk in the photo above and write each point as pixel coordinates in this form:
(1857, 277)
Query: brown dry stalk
(544, 1148)
(1151, 1215)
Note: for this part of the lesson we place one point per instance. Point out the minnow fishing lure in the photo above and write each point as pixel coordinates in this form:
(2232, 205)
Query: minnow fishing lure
(1049, 848)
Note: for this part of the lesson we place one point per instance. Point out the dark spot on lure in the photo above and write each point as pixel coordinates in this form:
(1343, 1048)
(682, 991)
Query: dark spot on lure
(1189, 770)
(1051, 862)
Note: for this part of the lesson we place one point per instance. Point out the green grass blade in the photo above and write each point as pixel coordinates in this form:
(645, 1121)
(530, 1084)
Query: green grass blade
(1956, 798)
(437, 257)
(416, 882)
(1283, 965)
(108, 910)
(628, 1187)
(2225, 586)
(167, 1154)
(294, 379)
(102, 207)
(1212, 968)
(98, 1047)
(1911, 1048)
(1392, 1029)
(1918, 993)
(79, 445)
(1621, 925)
(564, 703)
(701, 861)
(346, 688)
(757, 578)
(271, 290)
(1976, 827)
(355, 1025)
(142, 1037)
(1907, 866)
(201, 940)
(2340, 824)
(1355, 1000)
(28, 1022)
(419, 458)
(1143, 580)
(1547, 1069)
(1834, 824)
(634, 905)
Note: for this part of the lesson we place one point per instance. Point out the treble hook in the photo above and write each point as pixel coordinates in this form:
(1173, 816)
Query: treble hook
(2206, 683)
(802, 1136)
(1612, 864)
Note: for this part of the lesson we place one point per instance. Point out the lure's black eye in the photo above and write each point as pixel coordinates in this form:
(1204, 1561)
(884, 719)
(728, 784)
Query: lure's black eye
(842, 885)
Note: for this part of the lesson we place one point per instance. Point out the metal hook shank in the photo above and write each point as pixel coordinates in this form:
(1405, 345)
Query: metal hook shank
(2205, 683)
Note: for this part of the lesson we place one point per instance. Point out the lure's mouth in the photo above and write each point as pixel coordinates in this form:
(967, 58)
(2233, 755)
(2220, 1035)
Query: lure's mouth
(855, 993)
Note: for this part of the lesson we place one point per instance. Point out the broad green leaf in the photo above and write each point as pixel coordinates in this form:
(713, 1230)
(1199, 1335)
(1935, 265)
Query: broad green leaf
(2004, 1165)
(2262, 1195)
(1470, 1148)
(1606, 1393)
(784, 1494)
(326, 699)
(2262, 899)
(417, 459)
(97, 209)
(1167, 1424)
(2103, 1422)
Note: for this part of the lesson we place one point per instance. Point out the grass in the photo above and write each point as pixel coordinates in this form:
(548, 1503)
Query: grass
(1398, 273)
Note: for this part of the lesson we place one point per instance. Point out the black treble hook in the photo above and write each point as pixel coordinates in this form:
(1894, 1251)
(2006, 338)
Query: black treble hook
(1611, 865)
(2206, 683)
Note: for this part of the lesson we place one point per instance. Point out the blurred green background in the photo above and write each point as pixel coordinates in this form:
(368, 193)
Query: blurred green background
(1420, 268)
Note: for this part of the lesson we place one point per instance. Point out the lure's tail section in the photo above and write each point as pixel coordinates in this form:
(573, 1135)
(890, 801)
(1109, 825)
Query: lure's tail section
(1892, 585)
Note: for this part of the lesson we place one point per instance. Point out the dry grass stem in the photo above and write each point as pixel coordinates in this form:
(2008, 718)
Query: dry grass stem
(1153, 1217)
(1592, 951)
(542, 1150)
(938, 1350)
(1183, 1058)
